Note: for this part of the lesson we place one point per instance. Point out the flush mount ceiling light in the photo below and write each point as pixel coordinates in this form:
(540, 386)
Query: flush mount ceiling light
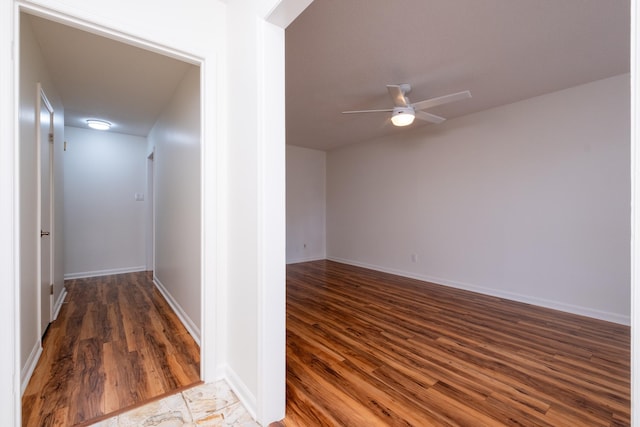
(403, 116)
(98, 124)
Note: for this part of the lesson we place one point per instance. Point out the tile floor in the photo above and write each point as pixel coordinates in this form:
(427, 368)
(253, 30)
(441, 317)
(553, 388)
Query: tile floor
(204, 405)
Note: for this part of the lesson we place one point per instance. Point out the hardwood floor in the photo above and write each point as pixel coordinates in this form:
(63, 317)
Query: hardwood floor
(116, 344)
(366, 348)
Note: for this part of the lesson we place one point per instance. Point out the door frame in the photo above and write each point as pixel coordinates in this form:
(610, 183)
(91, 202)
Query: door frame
(208, 279)
(41, 105)
(150, 214)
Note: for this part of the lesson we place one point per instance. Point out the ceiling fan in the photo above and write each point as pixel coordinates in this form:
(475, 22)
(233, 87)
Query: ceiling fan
(405, 112)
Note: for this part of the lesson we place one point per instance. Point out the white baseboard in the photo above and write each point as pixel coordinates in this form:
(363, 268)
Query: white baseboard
(98, 273)
(34, 356)
(30, 366)
(191, 327)
(308, 259)
(527, 299)
(58, 304)
(241, 390)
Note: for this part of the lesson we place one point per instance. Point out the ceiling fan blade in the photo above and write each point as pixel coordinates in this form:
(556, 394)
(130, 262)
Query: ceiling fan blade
(398, 94)
(433, 102)
(428, 117)
(368, 111)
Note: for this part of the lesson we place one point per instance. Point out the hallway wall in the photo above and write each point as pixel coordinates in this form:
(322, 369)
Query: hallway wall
(33, 70)
(175, 139)
(104, 224)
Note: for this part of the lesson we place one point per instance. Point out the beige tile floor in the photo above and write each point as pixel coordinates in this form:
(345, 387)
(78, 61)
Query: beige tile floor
(204, 405)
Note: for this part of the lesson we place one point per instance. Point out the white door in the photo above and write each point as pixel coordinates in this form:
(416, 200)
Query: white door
(45, 159)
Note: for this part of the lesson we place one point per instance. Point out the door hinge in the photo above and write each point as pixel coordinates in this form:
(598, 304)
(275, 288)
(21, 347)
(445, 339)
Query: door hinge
(51, 287)
(51, 138)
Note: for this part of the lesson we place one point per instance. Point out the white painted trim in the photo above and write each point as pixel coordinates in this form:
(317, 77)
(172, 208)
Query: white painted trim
(269, 404)
(58, 305)
(30, 366)
(150, 214)
(555, 305)
(10, 213)
(286, 11)
(42, 101)
(191, 327)
(262, 280)
(271, 224)
(108, 272)
(307, 259)
(38, 284)
(67, 17)
(635, 212)
(212, 222)
(36, 352)
(241, 390)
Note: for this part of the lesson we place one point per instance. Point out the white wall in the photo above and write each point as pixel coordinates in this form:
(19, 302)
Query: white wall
(104, 224)
(242, 293)
(255, 298)
(635, 212)
(306, 204)
(204, 31)
(175, 139)
(529, 201)
(33, 71)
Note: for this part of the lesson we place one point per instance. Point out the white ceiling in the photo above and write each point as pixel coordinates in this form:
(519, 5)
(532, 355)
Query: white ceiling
(340, 54)
(102, 78)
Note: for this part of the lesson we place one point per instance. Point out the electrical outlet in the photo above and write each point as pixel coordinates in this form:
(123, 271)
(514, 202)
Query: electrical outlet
(414, 257)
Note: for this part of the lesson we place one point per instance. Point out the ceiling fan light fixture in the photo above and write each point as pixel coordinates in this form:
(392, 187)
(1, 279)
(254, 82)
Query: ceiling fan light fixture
(402, 116)
(98, 124)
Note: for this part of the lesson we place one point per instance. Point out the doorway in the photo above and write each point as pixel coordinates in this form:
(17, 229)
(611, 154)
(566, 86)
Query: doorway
(128, 191)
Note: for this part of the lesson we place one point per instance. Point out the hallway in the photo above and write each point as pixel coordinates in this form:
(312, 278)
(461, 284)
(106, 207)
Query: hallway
(116, 344)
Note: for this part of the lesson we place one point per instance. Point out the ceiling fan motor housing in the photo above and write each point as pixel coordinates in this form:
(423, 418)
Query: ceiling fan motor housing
(405, 88)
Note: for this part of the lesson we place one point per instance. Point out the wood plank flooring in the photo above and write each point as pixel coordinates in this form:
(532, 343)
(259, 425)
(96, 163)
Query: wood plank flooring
(116, 344)
(370, 349)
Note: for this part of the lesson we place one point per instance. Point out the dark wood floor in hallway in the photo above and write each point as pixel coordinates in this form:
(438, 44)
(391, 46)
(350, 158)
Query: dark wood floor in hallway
(371, 349)
(116, 344)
